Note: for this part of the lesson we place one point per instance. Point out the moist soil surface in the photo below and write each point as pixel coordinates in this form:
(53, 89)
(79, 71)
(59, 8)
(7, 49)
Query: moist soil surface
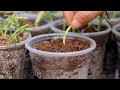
(85, 29)
(58, 46)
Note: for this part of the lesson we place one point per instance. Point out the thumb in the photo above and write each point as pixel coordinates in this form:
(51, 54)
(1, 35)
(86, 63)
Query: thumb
(83, 17)
(69, 16)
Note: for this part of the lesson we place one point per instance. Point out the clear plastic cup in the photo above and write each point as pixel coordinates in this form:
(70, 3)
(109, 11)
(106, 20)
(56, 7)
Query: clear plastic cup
(12, 60)
(51, 65)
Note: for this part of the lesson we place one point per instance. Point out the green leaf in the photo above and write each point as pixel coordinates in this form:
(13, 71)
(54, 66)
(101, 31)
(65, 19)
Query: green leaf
(94, 27)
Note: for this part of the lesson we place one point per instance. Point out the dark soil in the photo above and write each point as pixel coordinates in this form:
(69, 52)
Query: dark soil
(4, 40)
(84, 29)
(58, 46)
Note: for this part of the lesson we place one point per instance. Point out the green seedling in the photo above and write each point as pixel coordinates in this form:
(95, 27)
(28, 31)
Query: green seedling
(39, 17)
(102, 17)
(65, 33)
(48, 15)
(12, 27)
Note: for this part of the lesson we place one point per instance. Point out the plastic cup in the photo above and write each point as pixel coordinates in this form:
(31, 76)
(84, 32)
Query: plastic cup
(51, 65)
(12, 60)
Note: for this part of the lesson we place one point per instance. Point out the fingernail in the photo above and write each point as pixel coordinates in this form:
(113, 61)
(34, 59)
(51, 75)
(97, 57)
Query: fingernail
(75, 24)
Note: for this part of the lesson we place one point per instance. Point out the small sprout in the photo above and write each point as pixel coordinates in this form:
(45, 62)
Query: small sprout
(65, 33)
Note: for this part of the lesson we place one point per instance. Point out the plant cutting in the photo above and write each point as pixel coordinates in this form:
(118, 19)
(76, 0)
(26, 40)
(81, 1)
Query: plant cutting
(97, 30)
(51, 59)
(13, 36)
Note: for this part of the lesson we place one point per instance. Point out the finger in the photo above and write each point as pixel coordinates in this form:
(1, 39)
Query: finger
(83, 17)
(69, 16)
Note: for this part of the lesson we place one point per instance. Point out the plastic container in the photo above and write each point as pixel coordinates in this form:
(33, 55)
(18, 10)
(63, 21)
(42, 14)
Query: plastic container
(96, 64)
(116, 31)
(43, 29)
(51, 65)
(12, 60)
(115, 20)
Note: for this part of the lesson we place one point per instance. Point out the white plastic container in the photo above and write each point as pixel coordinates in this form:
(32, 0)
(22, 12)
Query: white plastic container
(51, 65)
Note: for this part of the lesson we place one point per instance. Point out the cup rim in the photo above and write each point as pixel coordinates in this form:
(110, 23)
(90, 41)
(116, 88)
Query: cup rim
(76, 53)
(115, 29)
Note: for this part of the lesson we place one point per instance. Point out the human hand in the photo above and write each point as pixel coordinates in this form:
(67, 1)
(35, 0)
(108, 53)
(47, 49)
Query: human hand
(79, 18)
